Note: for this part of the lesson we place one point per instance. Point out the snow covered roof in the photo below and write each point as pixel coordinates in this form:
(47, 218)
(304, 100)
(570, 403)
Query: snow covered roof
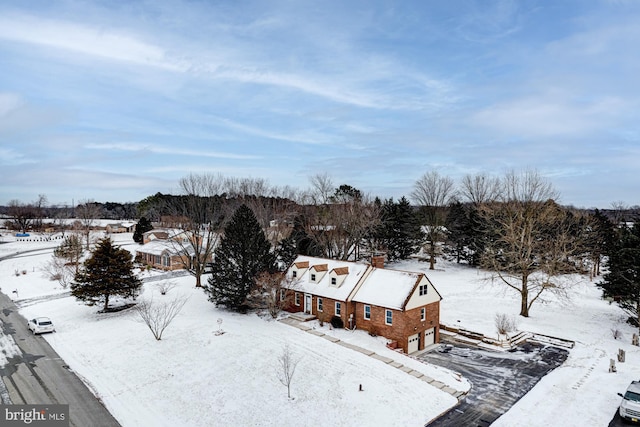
(323, 287)
(158, 247)
(387, 288)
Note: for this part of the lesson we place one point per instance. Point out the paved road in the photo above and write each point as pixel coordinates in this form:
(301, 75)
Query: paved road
(39, 376)
(498, 379)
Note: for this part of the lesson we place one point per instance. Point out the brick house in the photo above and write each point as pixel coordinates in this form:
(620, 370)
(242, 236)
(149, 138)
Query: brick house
(399, 305)
(164, 249)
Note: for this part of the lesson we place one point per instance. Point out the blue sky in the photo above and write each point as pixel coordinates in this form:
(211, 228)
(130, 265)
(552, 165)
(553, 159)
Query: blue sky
(115, 101)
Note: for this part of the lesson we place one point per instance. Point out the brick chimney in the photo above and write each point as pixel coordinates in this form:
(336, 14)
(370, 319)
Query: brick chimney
(377, 261)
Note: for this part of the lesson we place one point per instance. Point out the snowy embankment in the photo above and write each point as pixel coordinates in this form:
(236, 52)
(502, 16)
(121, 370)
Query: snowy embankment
(194, 377)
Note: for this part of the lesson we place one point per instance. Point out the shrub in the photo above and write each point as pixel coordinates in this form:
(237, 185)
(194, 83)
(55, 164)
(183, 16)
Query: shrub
(337, 322)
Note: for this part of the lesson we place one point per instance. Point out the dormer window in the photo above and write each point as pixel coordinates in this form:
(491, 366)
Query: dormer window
(313, 277)
(334, 281)
(294, 274)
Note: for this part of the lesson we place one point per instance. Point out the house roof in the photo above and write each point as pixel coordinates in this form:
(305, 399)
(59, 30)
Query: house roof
(387, 288)
(362, 283)
(323, 287)
(158, 247)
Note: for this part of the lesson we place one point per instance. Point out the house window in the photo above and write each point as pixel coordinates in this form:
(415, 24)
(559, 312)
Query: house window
(423, 289)
(367, 312)
(334, 281)
(423, 314)
(283, 294)
(297, 298)
(319, 304)
(294, 274)
(338, 308)
(388, 317)
(313, 277)
(166, 260)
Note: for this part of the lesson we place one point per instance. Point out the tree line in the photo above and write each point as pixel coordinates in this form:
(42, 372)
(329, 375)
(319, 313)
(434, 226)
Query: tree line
(512, 226)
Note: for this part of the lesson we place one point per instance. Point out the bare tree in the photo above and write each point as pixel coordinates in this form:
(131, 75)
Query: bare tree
(200, 210)
(165, 286)
(321, 188)
(287, 368)
(70, 251)
(22, 215)
(339, 227)
(272, 291)
(59, 270)
(505, 324)
(479, 189)
(433, 192)
(531, 240)
(159, 315)
(87, 212)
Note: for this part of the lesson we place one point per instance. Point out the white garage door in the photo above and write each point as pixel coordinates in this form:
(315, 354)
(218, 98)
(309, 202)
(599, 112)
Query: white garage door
(414, 343)
(429, 336)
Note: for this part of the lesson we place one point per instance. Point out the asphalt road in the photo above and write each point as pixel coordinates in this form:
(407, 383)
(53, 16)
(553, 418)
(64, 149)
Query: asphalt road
(498, 379)
(39, 376)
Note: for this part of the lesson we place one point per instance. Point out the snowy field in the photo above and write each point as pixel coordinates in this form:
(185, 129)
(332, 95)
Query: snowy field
(194, 377)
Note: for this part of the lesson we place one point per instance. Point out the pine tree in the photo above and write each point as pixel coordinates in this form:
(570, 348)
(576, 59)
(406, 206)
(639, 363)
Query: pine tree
(458, 231)
(287, 251)
(243, 253)
(400, 231)
(142, 227)
(107, 272)
(622, 282)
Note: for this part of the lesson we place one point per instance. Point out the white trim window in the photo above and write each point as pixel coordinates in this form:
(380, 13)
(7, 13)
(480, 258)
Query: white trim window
(367, 312)
(313, 277)
(423, 314)
(297, 299)
(283, 294)
(294, 274)
(423, 289)
(388, 317)
(338, 308)
(319, 304)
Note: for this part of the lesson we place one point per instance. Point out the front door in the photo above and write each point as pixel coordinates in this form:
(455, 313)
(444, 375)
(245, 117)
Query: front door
(307, 303)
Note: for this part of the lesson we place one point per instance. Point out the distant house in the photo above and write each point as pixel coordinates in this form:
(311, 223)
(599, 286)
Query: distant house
(399, 305)
(165, 249)
(121, 227)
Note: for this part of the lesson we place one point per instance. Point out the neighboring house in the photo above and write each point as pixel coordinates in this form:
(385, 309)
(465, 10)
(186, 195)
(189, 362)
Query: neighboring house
(164, 249)
(399, 305)
(121, 227)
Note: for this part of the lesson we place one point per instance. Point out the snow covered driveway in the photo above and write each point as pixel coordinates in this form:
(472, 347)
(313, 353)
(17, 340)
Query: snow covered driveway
(498, 379)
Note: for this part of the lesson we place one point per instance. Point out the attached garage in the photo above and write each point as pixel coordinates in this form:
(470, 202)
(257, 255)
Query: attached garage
(414, 343)
(429, 336)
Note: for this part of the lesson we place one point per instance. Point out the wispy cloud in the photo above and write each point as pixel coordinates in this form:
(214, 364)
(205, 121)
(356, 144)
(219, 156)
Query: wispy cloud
(168, 150)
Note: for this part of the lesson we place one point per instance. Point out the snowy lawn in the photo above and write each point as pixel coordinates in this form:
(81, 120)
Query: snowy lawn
(194, 377)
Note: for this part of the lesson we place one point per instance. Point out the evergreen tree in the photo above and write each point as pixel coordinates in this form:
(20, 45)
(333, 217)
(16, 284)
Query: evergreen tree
(305, 245)
(400, 232)
(142, 227)
(600, 240)
(287, 251)
(458, 228)
(243, 253)
(107, 272)
(622, 282)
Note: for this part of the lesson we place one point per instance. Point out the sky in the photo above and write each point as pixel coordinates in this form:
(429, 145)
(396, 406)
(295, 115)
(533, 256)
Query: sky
(117, 100)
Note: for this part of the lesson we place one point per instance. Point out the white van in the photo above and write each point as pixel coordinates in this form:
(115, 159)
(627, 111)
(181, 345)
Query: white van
(630, 405)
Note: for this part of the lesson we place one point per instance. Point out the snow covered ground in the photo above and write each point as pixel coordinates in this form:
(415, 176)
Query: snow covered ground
(194, 377)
